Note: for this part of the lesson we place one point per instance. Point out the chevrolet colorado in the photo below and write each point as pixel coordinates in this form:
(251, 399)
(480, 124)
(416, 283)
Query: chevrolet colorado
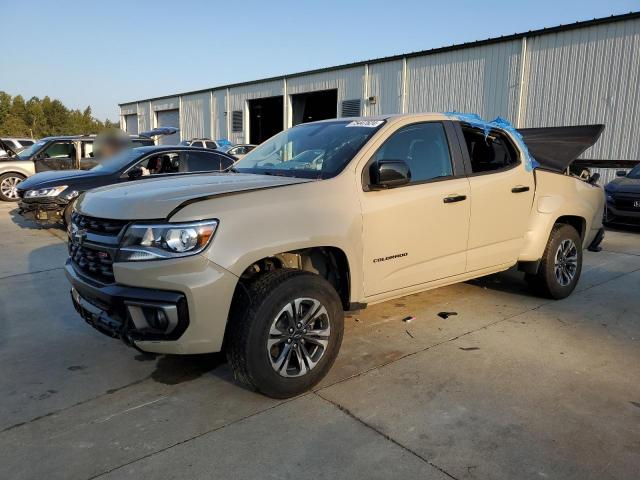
(322, 218)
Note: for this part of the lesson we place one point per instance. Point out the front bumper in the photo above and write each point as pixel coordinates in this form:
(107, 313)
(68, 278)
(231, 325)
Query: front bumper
(617, 215)
(121, 312)
(46, 211)
(196, 290)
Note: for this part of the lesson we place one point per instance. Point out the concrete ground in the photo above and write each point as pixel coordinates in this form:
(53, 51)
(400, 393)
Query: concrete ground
(512, 387)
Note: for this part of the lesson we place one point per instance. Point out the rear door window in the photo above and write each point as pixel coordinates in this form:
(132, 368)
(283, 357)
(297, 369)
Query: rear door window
(202, 162)
(489, 153)
(211, 145)
(197, 144)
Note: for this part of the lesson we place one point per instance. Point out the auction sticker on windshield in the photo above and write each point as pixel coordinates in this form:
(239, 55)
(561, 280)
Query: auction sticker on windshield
(365, 123)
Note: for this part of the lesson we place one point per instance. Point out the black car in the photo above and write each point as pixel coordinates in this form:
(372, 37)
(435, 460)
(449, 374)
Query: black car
(48, 197)
(623, 198)
(68, 152)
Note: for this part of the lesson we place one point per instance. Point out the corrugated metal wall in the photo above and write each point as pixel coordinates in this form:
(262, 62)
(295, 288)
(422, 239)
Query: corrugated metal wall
(588, 75)
(195, 116)
(483, 80)
(348, 81)
(385, 83)
(144, 116)
(238, 97)
(582, 75)
(218, 111)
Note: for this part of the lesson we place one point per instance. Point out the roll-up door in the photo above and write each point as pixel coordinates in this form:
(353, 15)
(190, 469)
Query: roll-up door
(168, 118)
(131, 124)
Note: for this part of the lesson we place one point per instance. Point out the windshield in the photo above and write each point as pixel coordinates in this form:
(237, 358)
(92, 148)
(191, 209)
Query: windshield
(312, 150)
(635, 172)
(29, 151)
(117, 162)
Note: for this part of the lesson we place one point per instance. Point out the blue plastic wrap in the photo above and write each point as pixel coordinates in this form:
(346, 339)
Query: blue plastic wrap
(475, 120)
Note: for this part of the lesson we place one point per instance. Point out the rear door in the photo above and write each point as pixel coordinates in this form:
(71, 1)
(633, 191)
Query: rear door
(417, 233)
(502, 196)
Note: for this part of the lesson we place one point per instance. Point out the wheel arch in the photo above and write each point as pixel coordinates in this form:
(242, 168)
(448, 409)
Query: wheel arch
(576, 221)
(330, 262)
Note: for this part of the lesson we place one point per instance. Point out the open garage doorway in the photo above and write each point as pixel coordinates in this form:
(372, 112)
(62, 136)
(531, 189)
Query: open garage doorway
(313, 106)
(265, 118)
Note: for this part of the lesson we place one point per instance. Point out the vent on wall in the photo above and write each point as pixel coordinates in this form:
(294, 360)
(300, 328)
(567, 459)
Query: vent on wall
(236, 121)
(350, 108)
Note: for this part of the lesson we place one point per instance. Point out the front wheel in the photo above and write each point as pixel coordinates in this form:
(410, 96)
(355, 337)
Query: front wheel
(561, 264)
(9, 186)
(285, 332)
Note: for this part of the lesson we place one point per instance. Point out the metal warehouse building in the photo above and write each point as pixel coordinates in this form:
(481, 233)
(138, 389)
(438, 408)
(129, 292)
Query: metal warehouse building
(587, 72)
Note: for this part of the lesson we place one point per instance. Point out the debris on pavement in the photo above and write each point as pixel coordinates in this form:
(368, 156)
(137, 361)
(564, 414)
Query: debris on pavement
(446, 315)
(408, 319)
(409, 333)
(469, 349)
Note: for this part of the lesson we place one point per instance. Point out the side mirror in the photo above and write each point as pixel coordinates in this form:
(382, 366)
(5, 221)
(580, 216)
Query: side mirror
(621, 173)
(386, 174)
(135, 173)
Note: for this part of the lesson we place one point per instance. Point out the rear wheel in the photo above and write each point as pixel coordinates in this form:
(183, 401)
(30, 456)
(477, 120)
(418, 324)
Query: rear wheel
(9, 186)
(285, 333)
(561, 264)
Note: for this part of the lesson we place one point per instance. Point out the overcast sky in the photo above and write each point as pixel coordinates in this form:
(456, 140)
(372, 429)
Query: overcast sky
(87, 54)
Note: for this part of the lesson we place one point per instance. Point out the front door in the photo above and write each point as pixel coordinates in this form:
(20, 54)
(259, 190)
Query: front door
(59, 155)
(416, 233)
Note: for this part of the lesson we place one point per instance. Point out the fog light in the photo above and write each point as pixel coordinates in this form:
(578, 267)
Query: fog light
(161, 321)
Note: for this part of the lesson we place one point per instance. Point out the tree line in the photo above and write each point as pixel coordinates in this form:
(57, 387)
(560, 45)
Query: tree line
(37, 118)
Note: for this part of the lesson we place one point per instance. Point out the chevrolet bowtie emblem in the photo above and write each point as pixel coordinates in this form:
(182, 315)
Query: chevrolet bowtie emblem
(79, 235)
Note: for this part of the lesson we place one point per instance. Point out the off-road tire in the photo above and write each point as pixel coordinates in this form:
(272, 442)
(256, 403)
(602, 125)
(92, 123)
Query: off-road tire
(7, 176)
(545, 282)
(253, 311)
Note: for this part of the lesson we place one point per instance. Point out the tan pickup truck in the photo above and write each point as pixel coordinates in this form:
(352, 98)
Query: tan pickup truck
(261, 262)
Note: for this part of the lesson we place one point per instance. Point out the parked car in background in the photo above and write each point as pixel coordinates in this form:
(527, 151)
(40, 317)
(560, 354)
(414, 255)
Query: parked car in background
(623, 198)
(13, 170)
(58, 153)
(240, 151)
(48, 197)
(16, 144)
(321, 218)
(201, 143)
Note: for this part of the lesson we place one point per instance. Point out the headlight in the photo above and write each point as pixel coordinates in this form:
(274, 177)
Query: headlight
(160, 241)
(46, 192)
(70, 195)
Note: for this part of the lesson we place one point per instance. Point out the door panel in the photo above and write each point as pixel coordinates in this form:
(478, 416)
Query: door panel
(412, 236)
(417, 233)
(500, 211)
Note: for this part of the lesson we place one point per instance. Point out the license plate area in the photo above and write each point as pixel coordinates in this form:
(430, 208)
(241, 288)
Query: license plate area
(95, 316)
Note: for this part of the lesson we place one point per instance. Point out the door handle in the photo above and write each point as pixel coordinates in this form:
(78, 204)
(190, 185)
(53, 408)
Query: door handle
(454, 198)
(519, 189)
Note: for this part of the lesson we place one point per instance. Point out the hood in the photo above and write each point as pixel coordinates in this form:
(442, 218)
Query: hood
(10, 151)
(555, 148)
(157, 198)
(624, 185)
(55, 177)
